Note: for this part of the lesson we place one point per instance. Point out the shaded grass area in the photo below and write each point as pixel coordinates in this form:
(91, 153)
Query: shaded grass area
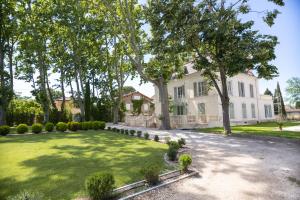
(263, 129)
(57, 164)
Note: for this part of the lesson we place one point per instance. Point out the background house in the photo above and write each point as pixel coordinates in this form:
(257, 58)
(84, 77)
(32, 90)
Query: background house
(70, 106)
(195, 104)
(139, 109)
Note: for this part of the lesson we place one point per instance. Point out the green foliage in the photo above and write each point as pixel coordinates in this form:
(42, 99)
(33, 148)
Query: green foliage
(132, 132)
(49, 126)
(146, 136)
(280, 125)
(293, 90)
(100, 186)
(268, 92)
(114, 129)
(23, 111)
(185, 161)
(174, 144)
(181, 142)
(172, 153)
(26, 195)
(61, 126)
(74, 126)
(86, 125)
(139, 133)
(137, 106)
(4, 130)
(279, 108)
(126, 132)
(151, 173)
(297, 105)
(109, 128)
(122, 131)
(22, 128)
(156, 138)
(98, 125)
(37, 128)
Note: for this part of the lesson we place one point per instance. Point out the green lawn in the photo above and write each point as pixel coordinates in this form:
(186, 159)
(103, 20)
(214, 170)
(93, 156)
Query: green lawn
(265, 129)
(57, 164)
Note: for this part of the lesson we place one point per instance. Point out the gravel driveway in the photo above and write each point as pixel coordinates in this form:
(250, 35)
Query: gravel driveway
(238, 168)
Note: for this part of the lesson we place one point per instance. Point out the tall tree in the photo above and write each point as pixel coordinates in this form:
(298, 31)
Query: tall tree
(221, 44)
(268, 92)
(293, 90)
(279, 107)
(128, 15)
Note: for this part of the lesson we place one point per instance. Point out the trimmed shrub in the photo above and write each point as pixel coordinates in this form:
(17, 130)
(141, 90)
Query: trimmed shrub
(146, 136)
(174, 144)
(172, 153)
(114, 129)
(49, 126)
(122, 131)
(102, 125)
(181, 142)
(26, 195)
(151, 173)
(61, 126)
(37, 128)
(109, 128)
(100, 186)
(126, 132)
(22, 128)
(132, 132)
(4, 130)
(118, 130)
(73, 126)
(185, 161)
(86, 125)
(156, 138)
(139, 133)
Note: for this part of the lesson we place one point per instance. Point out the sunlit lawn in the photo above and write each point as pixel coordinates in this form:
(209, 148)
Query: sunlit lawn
(265, 129)
(57, 164)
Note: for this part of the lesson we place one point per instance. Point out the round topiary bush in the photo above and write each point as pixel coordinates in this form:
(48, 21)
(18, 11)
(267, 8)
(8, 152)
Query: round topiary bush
(132, 132)
(181, 142)
(151, 173)
(109, 128)
(146, 136)
(174, 144)
(22, 128)
(96, 125)
(156, 138)
(172, 153)
(139, 133)
(37, 128)
(185, 161)
(126, 132)
(49, 127)
(122, 131)
(100, 186)
(4, 130)
(85, 125)
(61, 126)
(73, 126)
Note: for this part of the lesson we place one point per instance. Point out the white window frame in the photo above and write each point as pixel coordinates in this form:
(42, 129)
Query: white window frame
(179, 92)
(241, 87)
(244, 110)
(251, 89)
(146, 107)
(268, 111)
(253, 113)
(200, 88)
(231, 111)
(128, 106)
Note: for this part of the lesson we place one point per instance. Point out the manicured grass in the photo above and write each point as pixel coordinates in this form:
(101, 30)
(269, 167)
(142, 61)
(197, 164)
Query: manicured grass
(57, 164)
(265, 129)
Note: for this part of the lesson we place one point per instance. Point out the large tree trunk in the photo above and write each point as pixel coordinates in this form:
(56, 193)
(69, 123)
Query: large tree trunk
(79, 99)
(225, 102)
(62, 78)
(116, 112)
(163, 93)
(2, 82)
(11, 75)
(50, 92)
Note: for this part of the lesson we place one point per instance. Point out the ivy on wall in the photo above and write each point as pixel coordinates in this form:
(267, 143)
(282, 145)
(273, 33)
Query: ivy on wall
(137, 106)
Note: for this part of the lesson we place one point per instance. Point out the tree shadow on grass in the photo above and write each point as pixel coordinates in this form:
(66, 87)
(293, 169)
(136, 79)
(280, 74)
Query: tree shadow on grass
(62, 175)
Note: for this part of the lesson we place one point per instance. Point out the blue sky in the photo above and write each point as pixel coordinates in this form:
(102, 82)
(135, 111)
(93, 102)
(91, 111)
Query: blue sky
(286, 28)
